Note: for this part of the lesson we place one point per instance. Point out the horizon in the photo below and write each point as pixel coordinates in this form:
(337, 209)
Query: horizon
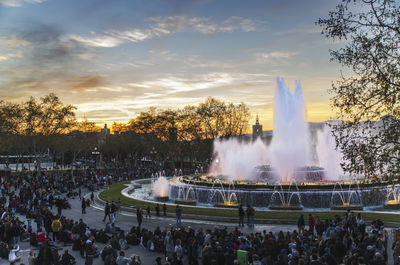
(115, 60)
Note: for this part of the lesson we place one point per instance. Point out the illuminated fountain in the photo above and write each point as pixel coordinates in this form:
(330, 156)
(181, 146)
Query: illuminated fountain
(285, 198)
(349, 199)
(263, 175)
(160, 189)
(228, 197)
(186, 194)
(298, 169)
(393, 197)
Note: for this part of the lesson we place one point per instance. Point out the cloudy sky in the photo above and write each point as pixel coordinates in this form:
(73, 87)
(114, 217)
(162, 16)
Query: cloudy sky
(114, 59)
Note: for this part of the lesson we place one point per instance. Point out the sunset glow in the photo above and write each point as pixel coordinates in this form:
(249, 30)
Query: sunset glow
(115, 59)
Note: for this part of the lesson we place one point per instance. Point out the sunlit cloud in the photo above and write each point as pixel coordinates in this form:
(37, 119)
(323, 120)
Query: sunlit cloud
(103, 41)
(12, 41)
(166, 25)
(180, 84)
(16, 3)
(4, 57)
(275, 55)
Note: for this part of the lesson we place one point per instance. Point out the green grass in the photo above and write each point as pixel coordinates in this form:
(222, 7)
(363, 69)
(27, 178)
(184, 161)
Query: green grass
(114, 192)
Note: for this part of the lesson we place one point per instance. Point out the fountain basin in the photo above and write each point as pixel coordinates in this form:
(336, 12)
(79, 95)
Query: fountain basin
(185, 202)
(392, 204)
(345, 207)
(287, 208)
(226, 205)
(162, 198)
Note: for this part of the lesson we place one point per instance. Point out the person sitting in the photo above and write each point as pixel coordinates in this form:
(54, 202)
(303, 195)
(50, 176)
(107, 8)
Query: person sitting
(108, 228)
(67, 259)
(102, 237)
(114, 242)
(135, 260)
(77, 244)
(41, 237)
(12, 256)
(107, 250)
(133, 239)
(122, 260)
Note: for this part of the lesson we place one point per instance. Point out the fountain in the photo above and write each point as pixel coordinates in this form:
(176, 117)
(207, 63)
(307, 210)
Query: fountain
(285, 198)
(393, 197)
(292, 172)
(160, 189)
(184, 192)
(229, 198)
(347, 197)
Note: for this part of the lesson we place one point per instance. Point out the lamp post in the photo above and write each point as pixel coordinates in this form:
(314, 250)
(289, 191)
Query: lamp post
(95, 153)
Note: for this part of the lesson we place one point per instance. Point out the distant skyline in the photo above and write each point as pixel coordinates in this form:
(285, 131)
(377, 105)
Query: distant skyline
(114, 59)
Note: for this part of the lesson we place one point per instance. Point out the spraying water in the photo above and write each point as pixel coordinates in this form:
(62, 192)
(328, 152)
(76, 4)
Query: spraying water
(290, 145)
(290, 149)
(160, 187)
(237, 160)
(328, 156)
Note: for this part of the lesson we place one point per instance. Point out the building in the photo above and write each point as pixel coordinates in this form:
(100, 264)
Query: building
(105, 130)
(257, 129)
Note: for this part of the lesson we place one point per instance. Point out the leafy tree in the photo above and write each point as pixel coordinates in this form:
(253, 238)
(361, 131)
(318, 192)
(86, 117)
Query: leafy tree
(10, 117)
(48, 117)
(120, 127)
(87, 126)
(368, 100)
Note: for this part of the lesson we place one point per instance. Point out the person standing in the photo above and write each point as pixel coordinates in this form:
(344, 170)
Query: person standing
(178, 215)
(241, 215)
(251, 213)
(113, 211)
(319, 228)
(83, 206)
(90, 250)
(300, 224)
(157, 209)
(169, 246)
(164, 207)
(139, 216)
(107, 211)
(56, 228)
(119, 209)
(178, 252)
(59, 206)
(311, 223)
(92, 197)
(80, 193)
(148, 211)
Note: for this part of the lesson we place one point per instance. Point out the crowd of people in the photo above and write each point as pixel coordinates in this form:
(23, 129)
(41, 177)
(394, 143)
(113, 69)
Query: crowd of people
(27, 203)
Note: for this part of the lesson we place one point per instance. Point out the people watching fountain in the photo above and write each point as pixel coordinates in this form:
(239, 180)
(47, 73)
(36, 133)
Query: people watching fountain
(250, 216)
(340, 240)
(241, 215)
(178, 215)
(300, 224)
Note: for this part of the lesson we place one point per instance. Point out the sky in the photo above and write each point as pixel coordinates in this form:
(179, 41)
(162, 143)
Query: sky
(114, 59)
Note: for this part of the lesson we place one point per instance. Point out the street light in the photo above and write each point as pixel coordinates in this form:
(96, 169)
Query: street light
(95, 153)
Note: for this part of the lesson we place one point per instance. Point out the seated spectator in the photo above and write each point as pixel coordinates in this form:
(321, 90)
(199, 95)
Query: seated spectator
(122, 260)
(12, 256)
(114, 242)
(135, 260)
(133, 239)
(67, 259)
(123, 244)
